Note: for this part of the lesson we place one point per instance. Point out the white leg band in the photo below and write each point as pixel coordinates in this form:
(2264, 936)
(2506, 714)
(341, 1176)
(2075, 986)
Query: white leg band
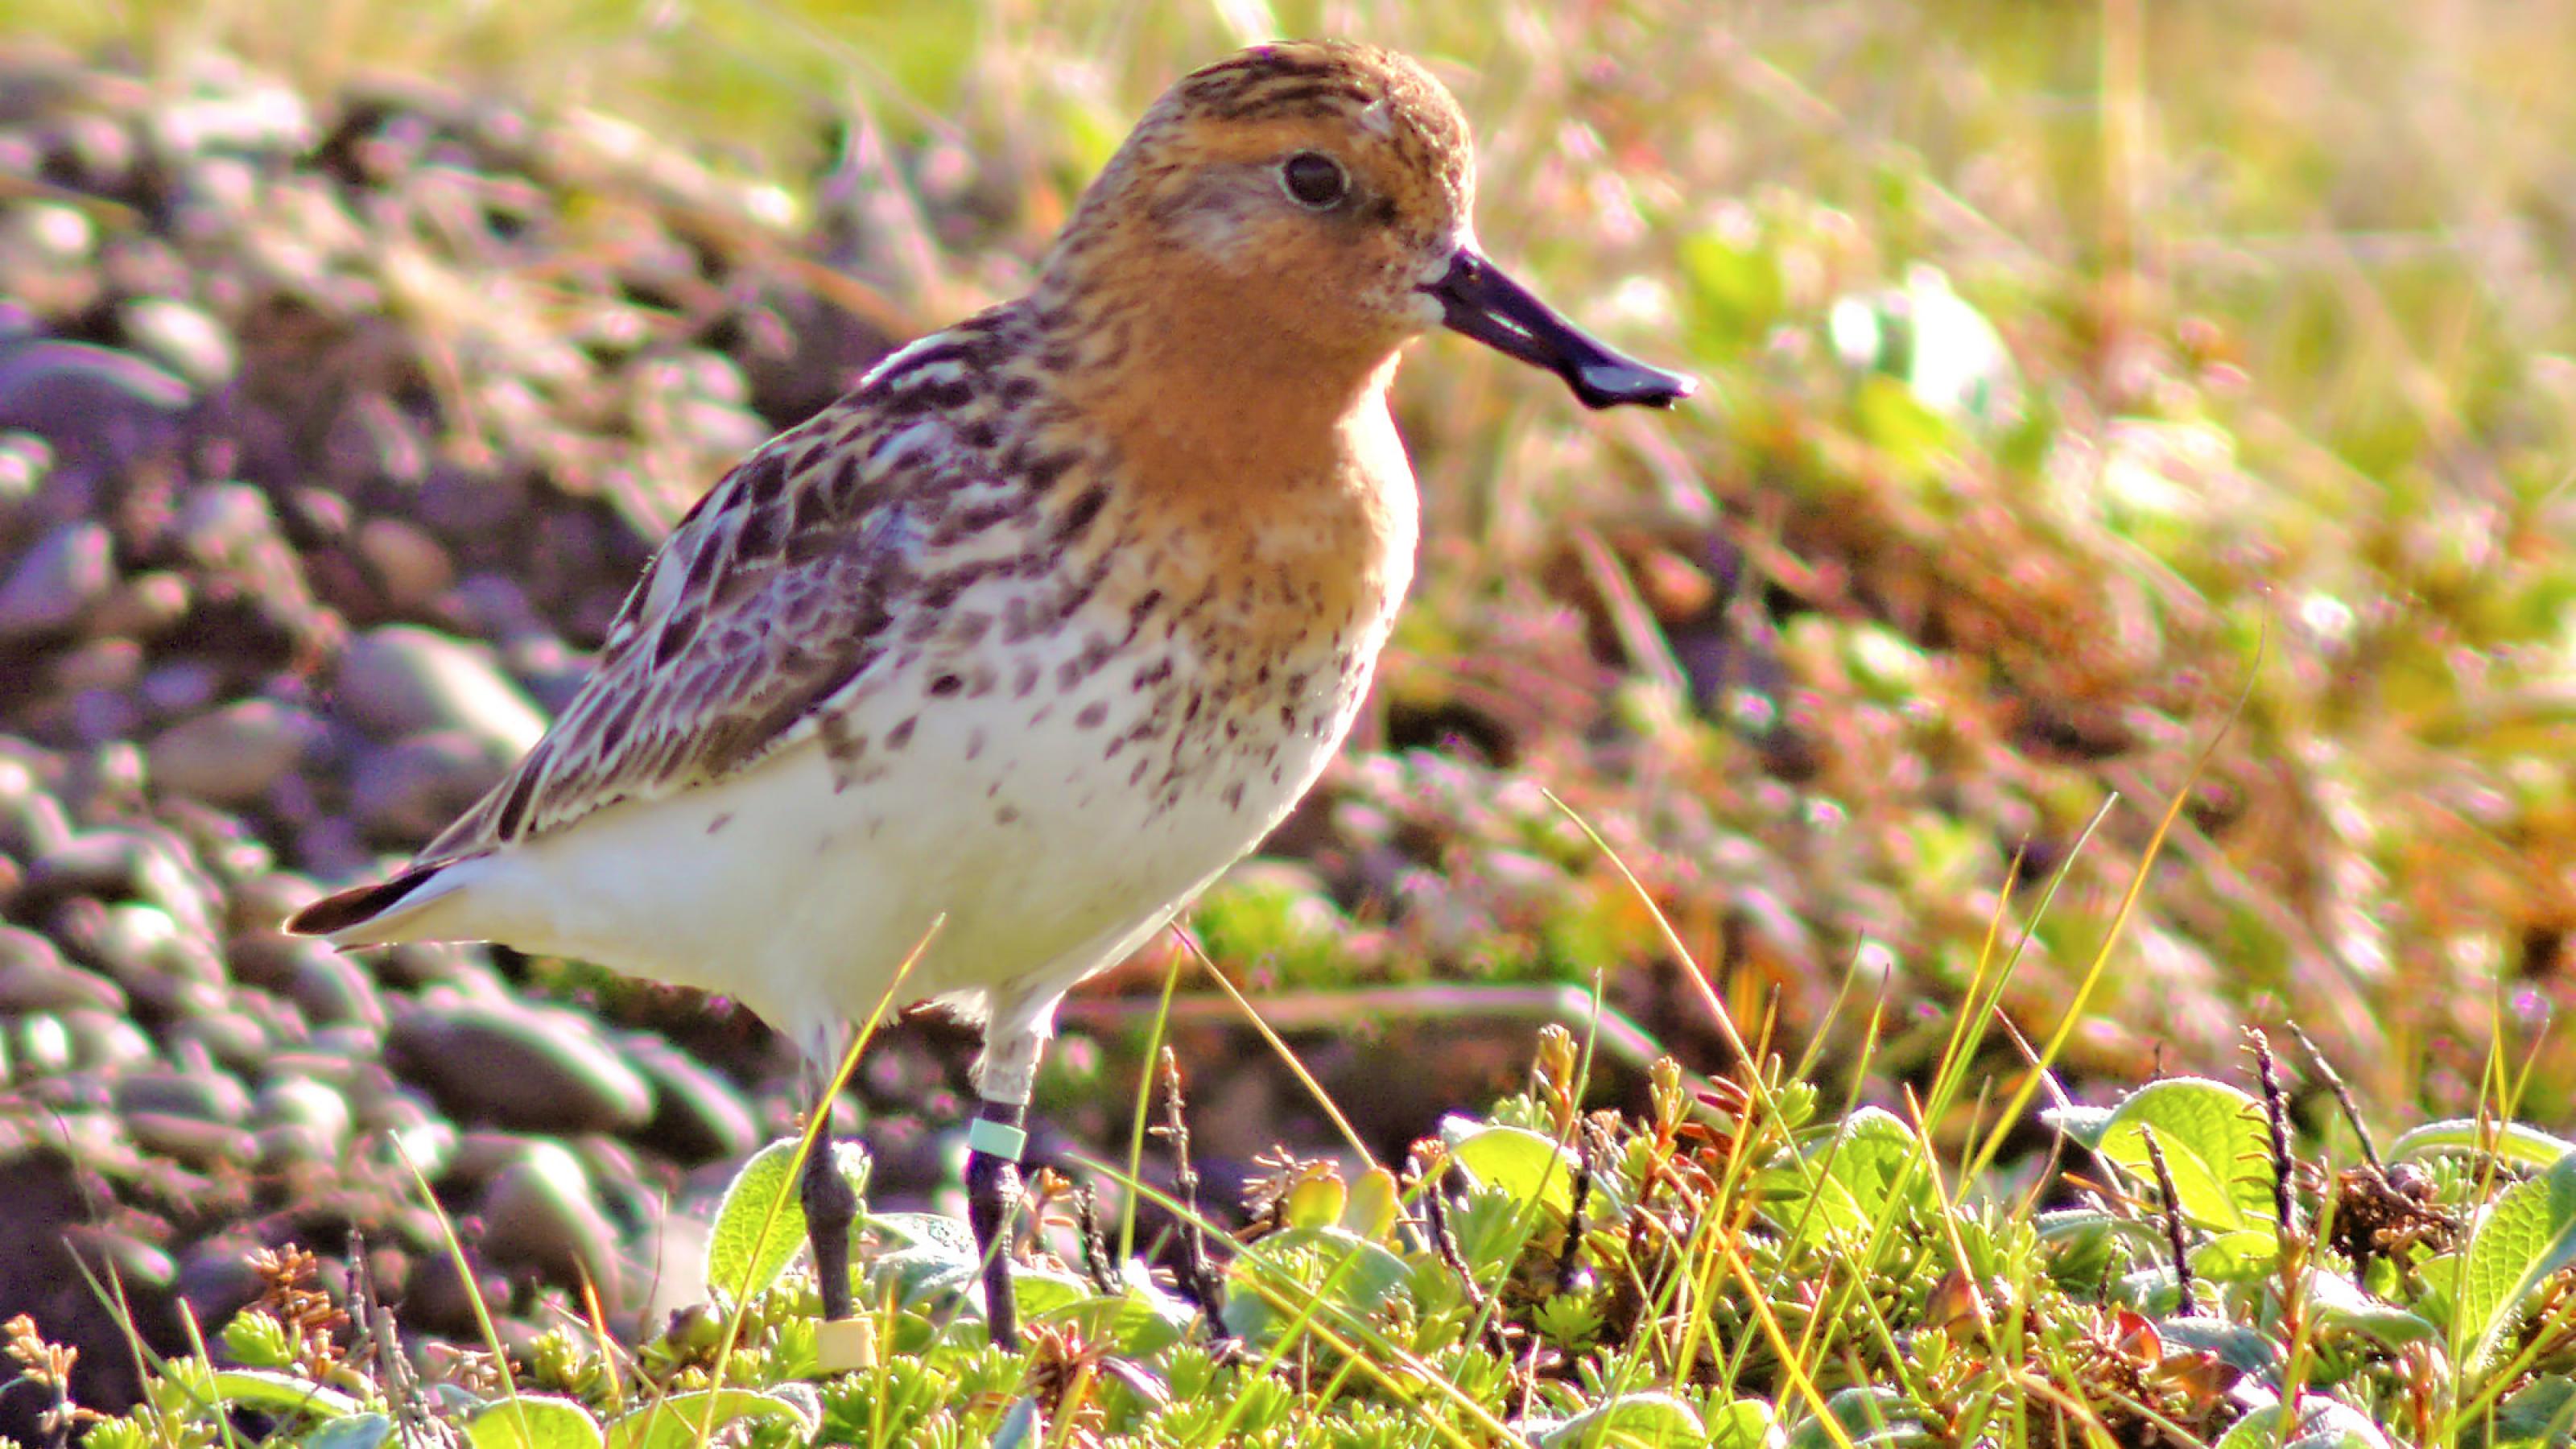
(996, 1139)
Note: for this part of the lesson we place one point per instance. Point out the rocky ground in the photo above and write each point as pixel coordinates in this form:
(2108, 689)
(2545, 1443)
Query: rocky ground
(284, 584)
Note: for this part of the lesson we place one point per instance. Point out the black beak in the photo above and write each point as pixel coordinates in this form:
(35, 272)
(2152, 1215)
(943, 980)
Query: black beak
(1478, 300)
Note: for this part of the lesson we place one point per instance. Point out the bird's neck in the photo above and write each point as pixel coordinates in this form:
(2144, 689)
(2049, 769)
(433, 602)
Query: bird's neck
(1197, 388)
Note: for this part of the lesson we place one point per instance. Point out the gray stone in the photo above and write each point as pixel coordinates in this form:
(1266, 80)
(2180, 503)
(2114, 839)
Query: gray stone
(166, 969)
(539, 1213)
(121, 1257)
(700, 1116)
(97, 406)
(234, 754)
(300, 1120)
(333, 991)
(211, 1095)
(54, 584)
(35, 977)
(125, 864)
(408, 791)
(401, 679)
(412, 566)
(194, 344)
(192, 1140)
(104, 1041)
(233, 1038)
(32, 821)
(532, 1069)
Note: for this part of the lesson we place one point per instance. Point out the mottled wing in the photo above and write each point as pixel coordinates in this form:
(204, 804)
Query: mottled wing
(786, 582)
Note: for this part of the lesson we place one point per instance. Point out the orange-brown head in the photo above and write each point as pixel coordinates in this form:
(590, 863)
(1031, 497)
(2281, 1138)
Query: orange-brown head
(1305, 209)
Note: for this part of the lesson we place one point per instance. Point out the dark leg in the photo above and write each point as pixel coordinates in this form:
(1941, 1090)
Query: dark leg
(831, 1206)
(992, 1200)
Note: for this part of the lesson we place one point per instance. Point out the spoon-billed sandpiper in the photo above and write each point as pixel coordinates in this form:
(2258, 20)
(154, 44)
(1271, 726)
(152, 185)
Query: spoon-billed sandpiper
(1037, 630)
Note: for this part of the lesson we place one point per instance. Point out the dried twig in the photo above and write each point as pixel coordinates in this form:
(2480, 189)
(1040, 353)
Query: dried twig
(2186, 1305)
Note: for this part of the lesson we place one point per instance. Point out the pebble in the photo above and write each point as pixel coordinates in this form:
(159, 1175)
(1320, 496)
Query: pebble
(334, 991)
(102, 1041)
(99, 664)
(699, 1115)
(34, 977)
(211, 1096)
(32, 821)
(410, 564)
(300, 1119)
(193, 1140)
(121, 1257)
(57, 582)
(182, 686)
(122, 864)
(528, 1068)
(145, 606)
(230, 1037)
(402, 679)
(539, 1213)
(229, 530)
(406, 792)
(97, 406)
(216, 1277)
(180, 335)
(167, 971)
(41, 1045)
(232, 755)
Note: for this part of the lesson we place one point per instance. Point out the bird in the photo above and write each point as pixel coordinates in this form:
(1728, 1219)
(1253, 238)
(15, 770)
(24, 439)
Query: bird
(1037, 630)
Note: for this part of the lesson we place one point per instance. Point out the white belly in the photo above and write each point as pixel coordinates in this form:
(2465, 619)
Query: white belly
(1048, 833)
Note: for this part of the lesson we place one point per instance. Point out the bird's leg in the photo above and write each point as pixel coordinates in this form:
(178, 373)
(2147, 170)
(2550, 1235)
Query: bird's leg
(994, 1143)
(1014, 1036)
(831, 1206)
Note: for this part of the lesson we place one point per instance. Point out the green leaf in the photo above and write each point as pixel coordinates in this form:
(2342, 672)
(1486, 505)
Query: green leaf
(1022, 1426)
(1645, 1420)
(761, 1222)
(1851, 1180)
(921, 1256)
(2526, 1234)
(358, 1431)
(1745, 1424)
(2342, 1306)
(2084, 1125)
(2215, 1145)
(685, 1420)
(1868, 1415)
(534, 1421)
(2321, 1423)
(1267, 1285)
(275, 1393)
(2246, 1350)
(2242, 1256)
(257, 1340)
(1143, 1319)
(2540, 1414)
(2512, 1141)
(1514, 1159)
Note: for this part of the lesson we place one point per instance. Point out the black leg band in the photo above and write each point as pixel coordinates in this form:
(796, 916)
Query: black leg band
(831, 1206)
(992, 1200)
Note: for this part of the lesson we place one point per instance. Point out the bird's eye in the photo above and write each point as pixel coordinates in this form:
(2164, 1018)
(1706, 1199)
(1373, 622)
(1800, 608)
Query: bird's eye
(1314, 180)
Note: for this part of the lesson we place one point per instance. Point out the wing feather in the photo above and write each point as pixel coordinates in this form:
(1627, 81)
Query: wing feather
(796, 573)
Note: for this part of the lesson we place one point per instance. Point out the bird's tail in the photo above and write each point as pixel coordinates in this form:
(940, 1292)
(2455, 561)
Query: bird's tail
(381, 914)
